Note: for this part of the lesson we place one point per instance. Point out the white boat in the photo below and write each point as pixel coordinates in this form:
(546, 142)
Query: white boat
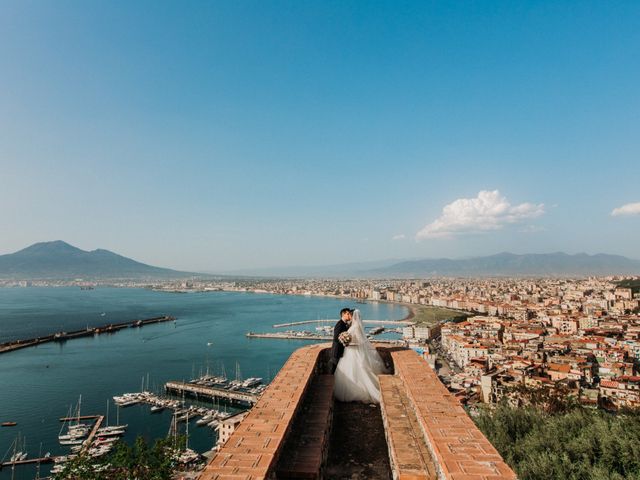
(77, 441)
(188, 456)
(105, 440)
(127, 402)
(251, 382)
(205, 420)
(110, 433)
(157, 408)
(19, 455)
(112, 428)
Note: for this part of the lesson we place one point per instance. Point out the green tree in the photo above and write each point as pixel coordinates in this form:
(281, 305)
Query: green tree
(574, 444)
(126, 463)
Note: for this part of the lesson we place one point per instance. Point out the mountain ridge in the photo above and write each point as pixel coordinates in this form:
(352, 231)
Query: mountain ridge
(506, 263)
(500, 264)
(59, 260)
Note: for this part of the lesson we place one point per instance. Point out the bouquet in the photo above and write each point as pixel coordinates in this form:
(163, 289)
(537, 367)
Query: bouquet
(344, 338)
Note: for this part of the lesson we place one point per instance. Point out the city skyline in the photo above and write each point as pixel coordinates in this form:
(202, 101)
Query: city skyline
(231, 136)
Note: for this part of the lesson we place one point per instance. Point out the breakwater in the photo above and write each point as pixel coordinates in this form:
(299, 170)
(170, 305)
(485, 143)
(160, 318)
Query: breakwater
(85, 332)
(306, 336)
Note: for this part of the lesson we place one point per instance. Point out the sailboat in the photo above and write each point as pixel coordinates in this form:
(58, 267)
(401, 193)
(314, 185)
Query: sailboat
(113, 430)
(173, 429)
(19, 455)
(75, 432)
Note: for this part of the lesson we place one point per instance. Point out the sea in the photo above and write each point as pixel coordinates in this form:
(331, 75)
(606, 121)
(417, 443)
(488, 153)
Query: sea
(39, 385)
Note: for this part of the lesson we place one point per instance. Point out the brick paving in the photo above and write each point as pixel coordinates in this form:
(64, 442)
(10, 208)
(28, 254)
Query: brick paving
(358, 448)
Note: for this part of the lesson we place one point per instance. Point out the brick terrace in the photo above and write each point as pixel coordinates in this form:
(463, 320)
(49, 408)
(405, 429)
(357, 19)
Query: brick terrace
(439, 440)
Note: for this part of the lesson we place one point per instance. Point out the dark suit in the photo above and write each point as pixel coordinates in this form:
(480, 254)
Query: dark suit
(337, 349)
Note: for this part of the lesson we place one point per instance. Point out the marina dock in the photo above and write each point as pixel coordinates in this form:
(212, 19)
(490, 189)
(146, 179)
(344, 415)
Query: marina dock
(83, 417)
(306, 336)
(290, 336)
(28, 461)
(89, 441)
(87, 332)
(377, 322)
(212, 392)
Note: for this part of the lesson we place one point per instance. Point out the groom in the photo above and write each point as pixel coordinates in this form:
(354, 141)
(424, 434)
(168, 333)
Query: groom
(337, 349)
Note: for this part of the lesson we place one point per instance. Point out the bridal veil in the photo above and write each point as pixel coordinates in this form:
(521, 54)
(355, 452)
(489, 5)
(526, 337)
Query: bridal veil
(356, 376)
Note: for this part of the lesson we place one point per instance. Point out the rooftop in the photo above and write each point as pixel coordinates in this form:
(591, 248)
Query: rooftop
(297, 430)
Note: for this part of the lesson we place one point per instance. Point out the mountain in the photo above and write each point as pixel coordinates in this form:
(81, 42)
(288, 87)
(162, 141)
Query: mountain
(339, 270)
(509, 264)
(59, 260)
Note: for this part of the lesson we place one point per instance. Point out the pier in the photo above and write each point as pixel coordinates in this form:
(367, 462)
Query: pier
(87, 332)
(29, 461)
(376, 322)
(83, 417)
(212, 392)
(89, 441)
(306, 336)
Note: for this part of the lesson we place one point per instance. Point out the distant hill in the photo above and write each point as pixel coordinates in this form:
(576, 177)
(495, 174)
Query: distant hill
(509, 264)
(59, 260)
(338, 270)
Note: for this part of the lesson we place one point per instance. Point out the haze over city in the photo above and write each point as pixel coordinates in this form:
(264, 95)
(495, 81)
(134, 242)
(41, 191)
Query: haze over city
(212, 137)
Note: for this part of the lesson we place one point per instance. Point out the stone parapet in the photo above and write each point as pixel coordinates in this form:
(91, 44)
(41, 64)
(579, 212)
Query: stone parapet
(438, 440)
(459, 449)
(252, 450)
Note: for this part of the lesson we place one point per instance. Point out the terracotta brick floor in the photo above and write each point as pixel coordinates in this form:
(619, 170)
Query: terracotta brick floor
(358, 449)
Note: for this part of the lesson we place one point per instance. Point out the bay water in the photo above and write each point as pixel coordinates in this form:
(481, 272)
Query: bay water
(38, 385)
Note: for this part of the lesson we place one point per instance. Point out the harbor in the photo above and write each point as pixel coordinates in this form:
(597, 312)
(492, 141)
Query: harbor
(307, 336)
(86, 332)
(209, 335)
(378, 322)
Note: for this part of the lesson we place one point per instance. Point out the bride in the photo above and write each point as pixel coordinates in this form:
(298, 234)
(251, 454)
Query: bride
(356, 376)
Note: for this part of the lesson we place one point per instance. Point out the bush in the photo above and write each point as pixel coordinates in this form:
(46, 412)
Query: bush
(576, 444)
(126, 463)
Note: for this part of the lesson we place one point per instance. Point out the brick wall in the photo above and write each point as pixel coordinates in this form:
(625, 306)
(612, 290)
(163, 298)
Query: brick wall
(458, 449)
(252, 450)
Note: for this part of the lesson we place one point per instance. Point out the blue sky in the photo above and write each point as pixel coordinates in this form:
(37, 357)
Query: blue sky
(222, 135)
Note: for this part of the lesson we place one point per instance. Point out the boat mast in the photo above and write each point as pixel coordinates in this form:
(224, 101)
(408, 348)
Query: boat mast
(186, 444)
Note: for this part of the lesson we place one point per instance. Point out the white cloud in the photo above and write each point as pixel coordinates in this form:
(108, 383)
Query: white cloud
(628, 209)
(400, 236)
(488, 211)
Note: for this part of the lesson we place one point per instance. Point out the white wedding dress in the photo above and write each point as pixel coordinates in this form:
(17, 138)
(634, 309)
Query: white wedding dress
(356, 376)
